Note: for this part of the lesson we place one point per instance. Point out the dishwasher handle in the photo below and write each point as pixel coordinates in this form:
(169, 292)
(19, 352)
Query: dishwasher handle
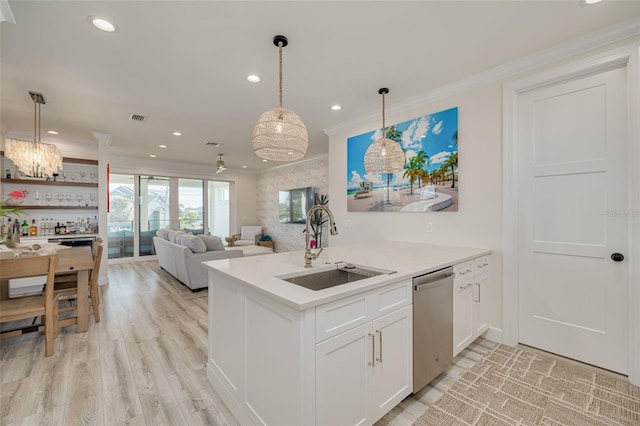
(432, 280)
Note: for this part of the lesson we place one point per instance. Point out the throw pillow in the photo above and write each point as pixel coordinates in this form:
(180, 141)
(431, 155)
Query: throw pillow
(212, 242)
(173, 234)
(163, 234)
(192, 242)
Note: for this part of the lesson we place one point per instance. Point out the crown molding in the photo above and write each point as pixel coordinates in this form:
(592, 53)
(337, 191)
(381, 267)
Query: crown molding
(297, 163)
(611, 34)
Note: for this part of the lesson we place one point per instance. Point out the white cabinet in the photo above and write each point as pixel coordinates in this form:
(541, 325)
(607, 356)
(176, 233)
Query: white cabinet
(364, 367)
(363, 373)
(469, 301)
(348, 361)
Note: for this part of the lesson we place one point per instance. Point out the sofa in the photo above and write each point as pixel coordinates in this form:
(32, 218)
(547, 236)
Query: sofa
(182, 254)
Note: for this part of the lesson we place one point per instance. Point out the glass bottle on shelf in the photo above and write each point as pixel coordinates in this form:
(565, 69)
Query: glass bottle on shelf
(33, 229)
(25, 229)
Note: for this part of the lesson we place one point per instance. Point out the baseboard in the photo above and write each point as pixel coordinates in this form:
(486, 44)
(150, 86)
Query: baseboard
(494, 334)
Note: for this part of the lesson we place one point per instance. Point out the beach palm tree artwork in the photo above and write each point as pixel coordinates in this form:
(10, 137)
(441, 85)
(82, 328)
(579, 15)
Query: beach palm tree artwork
(428, 181)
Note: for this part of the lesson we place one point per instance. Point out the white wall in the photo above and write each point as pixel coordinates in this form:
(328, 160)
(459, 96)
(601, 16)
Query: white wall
(478, 223)
(313, 172)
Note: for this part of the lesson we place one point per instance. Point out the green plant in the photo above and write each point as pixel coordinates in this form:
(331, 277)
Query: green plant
(8, 211)
(318, 218)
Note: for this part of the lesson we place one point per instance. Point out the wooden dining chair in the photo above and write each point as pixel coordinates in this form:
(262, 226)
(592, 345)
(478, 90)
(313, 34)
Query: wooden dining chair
(66, 286)
(41, 305)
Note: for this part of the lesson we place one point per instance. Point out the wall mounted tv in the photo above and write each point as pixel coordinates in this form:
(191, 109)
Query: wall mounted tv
(294, 204)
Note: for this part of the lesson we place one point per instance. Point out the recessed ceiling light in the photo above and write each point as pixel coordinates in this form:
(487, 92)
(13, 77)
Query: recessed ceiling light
(52, 132)
(162, 146)
(177, 134)
(592, 1)
(103, 24)
(253, 78)
(152, 155)
(244, 167)
(336, 107)
(264, 161)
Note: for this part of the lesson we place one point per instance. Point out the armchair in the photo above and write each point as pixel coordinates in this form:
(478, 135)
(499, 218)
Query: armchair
(248, 236)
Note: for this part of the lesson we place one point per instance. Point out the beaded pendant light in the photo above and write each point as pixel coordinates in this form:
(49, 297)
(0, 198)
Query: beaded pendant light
(34, 158)
(280, 135)
(384, 155)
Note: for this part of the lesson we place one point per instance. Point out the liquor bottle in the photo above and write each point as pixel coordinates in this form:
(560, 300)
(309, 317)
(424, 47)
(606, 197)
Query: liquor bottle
(63, 229)
(57, 228)
(33, 229)
(25, 228)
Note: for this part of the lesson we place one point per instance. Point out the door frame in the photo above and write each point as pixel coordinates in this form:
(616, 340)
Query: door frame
(627, 57)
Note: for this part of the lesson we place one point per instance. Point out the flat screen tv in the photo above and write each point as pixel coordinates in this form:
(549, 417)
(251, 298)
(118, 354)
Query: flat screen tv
(294, 204)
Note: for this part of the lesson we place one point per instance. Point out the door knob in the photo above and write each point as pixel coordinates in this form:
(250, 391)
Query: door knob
(617, 257)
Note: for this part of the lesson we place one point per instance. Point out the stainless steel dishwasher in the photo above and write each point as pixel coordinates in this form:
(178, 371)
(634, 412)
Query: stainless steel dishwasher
(432, 325)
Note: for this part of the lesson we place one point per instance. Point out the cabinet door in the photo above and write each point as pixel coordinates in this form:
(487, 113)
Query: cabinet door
(479, 305)
(392, 375)
(342, 375)
(462, 314)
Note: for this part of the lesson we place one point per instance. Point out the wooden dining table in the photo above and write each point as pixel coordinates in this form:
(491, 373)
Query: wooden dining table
(73, 260)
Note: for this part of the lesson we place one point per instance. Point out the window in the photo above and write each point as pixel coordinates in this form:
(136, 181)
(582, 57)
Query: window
(154, 210)
(219, 209)
(120, 218)
(191, 205)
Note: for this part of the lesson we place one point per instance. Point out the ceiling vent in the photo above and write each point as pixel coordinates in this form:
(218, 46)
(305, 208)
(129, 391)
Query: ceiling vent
(137, 117)
(214, 144)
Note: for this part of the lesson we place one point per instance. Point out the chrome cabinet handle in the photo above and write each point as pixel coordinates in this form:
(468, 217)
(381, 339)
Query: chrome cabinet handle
(380, 359)
(483, 265)
(478, 284)
(373, 350)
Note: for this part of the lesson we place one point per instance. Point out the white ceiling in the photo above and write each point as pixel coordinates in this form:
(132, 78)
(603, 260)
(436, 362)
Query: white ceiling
(183, 64)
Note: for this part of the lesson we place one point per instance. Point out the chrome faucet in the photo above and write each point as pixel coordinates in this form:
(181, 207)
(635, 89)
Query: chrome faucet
(308, 255)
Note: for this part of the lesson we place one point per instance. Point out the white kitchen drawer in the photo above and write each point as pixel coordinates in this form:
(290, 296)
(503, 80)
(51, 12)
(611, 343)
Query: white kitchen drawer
(337, 317)
(482, 264)
(342, 315)
(463, 270)
(392, 297)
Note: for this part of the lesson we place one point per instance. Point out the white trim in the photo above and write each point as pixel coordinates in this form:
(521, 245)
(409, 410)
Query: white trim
(297, 163)
(628, 56)
(494, 334)
(608, 35)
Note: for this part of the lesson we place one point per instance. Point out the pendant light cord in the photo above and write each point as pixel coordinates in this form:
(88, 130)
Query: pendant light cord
(280, 51)
(383, 123)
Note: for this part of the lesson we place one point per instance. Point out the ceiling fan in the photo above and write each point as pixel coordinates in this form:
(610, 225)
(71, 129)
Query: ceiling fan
(220, 164)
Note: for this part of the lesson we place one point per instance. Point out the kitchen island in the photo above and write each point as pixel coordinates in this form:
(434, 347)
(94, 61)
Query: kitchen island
(282, 354)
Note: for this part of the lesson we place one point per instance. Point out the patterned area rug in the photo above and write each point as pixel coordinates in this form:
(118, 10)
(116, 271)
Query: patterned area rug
(511, 386)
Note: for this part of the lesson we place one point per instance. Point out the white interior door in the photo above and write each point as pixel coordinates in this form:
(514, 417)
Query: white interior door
(573, 192)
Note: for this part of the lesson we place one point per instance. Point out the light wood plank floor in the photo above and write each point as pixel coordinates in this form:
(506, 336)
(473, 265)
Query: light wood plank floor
(144, 363)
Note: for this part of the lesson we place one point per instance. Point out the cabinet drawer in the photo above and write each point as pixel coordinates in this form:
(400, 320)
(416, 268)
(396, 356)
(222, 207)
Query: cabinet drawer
(342, 315)
(481, 264)
(392, 297)
(463, 270)
(337, 317)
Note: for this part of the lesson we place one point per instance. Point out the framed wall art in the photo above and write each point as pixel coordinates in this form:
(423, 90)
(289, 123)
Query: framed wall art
(428, 179)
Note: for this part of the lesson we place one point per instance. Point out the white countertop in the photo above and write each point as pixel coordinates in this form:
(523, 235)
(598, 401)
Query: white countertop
(408, 259)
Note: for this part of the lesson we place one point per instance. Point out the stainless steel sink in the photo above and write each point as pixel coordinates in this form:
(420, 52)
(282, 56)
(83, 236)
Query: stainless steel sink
(338, 274)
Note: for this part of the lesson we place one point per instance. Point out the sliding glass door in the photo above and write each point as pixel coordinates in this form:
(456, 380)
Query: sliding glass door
(219, 208)
(121, 216)
(154, 210)
(191, 205)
